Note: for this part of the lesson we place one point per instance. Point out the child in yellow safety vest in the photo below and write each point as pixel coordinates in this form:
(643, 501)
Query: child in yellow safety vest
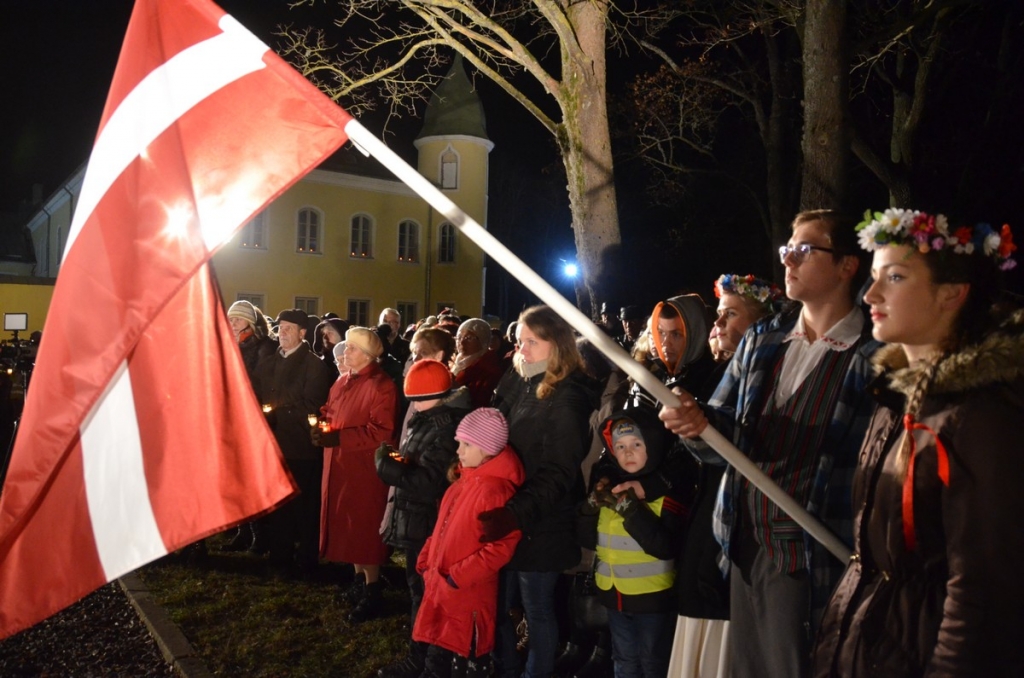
(636, 540)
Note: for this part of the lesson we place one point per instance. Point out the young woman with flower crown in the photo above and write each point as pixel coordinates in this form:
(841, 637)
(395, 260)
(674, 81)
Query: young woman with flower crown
(934, 587)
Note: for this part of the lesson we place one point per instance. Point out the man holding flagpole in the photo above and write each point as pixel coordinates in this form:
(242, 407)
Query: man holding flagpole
(793, 399)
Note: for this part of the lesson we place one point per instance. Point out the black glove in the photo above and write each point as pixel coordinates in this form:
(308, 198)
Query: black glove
(382, 452)
(389, 469)
(496, 523)
(627, 503)
(325, 438)
(602, 496)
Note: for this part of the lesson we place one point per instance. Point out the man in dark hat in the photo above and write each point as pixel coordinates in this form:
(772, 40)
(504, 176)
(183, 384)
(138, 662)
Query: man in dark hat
(633, 320)
(291, 384)
(610, 320)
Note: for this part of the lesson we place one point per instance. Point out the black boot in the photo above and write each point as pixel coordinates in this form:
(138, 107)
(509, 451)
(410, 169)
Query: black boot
(370, 606)
(570, 659)
(354, 593)
(598, 666)
(410, 667)
(242, 541)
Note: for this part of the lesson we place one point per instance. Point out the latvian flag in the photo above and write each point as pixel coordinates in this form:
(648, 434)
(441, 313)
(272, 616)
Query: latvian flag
(140, 432)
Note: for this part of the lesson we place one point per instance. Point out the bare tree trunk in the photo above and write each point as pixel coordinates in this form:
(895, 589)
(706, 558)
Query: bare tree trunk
(826, 93)
(586, 147)
(779, 144)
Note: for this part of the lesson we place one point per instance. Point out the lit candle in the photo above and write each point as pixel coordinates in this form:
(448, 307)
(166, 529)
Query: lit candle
(267, 408)
(312, 419)
(325, 426)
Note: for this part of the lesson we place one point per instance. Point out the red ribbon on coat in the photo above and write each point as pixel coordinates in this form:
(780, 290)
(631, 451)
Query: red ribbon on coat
(909, 426)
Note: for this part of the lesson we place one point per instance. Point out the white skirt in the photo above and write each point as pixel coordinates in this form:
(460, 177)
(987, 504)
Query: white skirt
(699, 649)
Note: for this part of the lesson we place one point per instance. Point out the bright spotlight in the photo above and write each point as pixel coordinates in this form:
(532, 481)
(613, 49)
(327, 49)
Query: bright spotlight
(570, 270)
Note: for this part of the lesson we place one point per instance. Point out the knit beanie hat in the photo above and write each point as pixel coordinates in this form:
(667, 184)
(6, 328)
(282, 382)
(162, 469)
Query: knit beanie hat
(365, 340)
(244, 310)
(478, 327)
(486, 428)
(427, 380)
(623, 428)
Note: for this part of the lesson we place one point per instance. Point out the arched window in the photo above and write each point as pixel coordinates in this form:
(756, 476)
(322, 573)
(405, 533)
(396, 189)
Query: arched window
(254, 233)
(446, 244)
(362, 237)
(449, 169)
(409, 241)
(308, 232)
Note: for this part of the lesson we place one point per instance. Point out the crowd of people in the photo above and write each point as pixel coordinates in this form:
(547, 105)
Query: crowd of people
(557, 520)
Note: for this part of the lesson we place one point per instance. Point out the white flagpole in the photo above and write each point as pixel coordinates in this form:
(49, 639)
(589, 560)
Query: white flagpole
(370, 144)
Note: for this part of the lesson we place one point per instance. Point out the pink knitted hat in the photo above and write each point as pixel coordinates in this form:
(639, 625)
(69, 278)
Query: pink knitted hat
(486, 428)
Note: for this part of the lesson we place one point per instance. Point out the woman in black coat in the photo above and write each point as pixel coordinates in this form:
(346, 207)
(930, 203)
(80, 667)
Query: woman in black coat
(547, 400)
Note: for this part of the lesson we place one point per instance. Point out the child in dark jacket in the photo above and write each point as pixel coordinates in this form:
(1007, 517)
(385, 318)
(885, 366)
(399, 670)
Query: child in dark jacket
(636, 542)
(418, 475)
(460, 572)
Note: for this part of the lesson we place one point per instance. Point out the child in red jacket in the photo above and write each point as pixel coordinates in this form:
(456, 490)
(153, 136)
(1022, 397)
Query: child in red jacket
(460, 574)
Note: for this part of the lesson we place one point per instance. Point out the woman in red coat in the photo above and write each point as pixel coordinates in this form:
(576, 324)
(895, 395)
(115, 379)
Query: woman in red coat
(361, 414)
(460, 574)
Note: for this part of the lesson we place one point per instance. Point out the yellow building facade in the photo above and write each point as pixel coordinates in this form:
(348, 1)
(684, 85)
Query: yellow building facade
(347, 238)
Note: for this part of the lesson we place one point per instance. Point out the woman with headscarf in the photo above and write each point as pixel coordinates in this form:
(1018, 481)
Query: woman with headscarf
(702, 591)
(476, 366)
(361, 414)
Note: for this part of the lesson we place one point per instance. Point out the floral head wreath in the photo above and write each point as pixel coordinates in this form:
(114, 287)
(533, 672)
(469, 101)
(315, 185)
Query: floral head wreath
(930, 233)
(762, 291)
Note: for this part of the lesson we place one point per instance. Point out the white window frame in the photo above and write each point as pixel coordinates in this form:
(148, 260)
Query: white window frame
(409, 252)
(365, 312)
(305, 243)
(450, 250)
(355, 252)
(449, 163)
(254, 233)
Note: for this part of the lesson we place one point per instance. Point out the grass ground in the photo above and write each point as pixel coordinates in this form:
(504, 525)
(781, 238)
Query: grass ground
(245, 620)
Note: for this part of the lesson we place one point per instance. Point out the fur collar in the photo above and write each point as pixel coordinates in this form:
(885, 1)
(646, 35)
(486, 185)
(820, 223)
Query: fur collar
(998, 358)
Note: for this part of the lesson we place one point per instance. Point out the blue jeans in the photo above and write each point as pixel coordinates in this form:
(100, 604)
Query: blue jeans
(536, 592)
(641, 643)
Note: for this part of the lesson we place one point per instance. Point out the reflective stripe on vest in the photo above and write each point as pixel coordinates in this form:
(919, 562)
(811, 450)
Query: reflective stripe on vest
(621, 561)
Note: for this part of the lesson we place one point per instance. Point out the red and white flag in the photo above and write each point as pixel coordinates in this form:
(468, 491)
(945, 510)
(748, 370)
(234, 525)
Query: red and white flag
(140, 432)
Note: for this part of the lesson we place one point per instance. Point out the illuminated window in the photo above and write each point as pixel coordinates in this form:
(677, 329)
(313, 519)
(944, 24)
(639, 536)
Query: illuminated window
(254, 233)
(362, 237)
(308, 240)
(409, 241)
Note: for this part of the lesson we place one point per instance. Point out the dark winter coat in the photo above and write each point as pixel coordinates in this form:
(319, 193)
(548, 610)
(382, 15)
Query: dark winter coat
(456, 613)
(254, 349)
(427, 452)
(551, 437)
(295, 387)
(953, 606)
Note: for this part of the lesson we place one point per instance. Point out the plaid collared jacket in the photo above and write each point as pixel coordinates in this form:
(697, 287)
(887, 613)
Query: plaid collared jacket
(734, 409)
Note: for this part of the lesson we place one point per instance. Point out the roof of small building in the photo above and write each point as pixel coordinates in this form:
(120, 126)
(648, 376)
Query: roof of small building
(455, 107)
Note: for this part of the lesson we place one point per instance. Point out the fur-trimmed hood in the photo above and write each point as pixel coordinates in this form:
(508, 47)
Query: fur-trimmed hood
(997, 359)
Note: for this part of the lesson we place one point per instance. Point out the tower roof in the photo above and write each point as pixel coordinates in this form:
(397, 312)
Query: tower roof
(454, 107)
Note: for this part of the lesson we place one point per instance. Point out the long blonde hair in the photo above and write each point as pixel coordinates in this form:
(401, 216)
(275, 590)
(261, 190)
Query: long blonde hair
(565, 357)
